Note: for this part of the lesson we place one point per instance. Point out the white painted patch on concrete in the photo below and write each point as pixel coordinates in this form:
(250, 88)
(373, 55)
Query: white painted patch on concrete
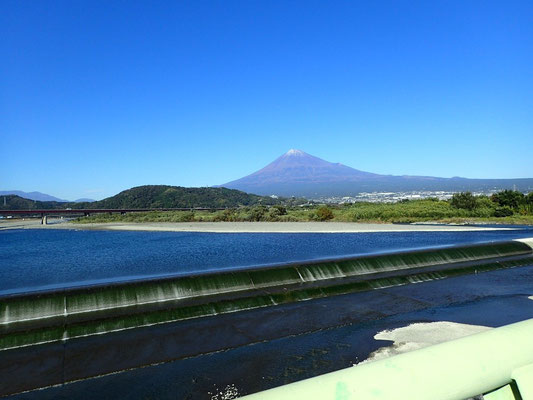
(420, 335)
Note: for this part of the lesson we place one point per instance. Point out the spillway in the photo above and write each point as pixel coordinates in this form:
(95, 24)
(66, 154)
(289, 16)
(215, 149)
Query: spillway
(51, 319)
(59, 315)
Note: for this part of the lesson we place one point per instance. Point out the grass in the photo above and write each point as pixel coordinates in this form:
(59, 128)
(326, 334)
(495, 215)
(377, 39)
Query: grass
(402, 212)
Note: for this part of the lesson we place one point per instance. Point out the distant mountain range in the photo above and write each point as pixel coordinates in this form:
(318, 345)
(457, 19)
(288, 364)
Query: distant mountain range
(84, 200)
(297, 173)
(151, 196)
(38, 196)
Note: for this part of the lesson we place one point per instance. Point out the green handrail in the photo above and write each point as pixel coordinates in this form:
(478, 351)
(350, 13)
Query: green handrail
(457, 369)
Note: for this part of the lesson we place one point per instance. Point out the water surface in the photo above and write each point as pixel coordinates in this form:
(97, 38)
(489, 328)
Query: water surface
(40, 259)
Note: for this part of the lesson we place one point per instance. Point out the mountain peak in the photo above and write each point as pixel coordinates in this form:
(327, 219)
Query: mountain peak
(297, 167)
(294, 152)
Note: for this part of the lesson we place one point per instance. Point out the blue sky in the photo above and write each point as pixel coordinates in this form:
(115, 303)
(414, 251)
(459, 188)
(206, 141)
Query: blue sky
(99, 96)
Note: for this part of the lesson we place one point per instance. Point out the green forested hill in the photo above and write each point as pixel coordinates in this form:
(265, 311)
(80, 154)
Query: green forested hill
(152, 196)
(162, 196)
(14, 202)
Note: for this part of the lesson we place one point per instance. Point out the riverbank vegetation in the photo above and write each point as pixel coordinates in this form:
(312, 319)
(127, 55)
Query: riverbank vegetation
(506, 207)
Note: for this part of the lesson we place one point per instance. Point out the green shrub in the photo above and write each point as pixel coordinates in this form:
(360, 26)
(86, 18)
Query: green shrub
(279, 210)
(464, 200)
(176, 216)
(227, 215)
(274, 213)
(323, 213)
(503, 212)
(258, 213)
(509, 198)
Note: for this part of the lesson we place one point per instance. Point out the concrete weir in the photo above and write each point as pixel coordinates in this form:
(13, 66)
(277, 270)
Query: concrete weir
(49, 329)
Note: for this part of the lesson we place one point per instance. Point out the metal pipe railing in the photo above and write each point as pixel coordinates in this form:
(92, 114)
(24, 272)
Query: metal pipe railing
(457, 369)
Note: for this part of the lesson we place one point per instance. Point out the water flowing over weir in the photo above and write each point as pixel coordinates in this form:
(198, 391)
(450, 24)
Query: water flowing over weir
(48, 320)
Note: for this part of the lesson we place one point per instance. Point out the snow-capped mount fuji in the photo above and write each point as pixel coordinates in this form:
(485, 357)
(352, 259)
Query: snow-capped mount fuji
(297, 173)
(296, 166)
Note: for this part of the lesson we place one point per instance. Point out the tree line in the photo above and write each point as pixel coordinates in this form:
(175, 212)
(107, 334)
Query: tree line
(503, 204)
